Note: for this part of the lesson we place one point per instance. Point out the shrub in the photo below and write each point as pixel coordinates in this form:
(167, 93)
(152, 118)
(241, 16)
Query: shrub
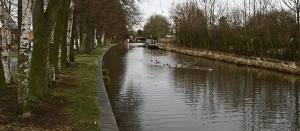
(106, 80)
(105, 72)
(238, 62)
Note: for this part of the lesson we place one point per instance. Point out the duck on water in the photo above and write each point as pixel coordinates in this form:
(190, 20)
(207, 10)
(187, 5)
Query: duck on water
(181, 66)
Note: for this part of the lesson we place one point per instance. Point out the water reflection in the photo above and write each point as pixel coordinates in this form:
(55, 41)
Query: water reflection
(147, 95)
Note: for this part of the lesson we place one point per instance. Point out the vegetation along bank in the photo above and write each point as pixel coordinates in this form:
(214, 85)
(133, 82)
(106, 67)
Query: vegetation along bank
(272, 64)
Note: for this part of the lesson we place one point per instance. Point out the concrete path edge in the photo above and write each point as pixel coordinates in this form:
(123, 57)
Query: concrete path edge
(107, 121)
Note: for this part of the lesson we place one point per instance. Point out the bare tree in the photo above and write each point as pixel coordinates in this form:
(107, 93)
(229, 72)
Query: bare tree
(294, 5)
(190, 23)
(260, 28)
(209, 7)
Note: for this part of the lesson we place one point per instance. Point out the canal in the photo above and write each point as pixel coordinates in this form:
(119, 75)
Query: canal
(149, 96)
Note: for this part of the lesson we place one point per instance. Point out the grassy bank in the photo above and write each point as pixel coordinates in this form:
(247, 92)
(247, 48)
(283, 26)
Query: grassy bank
(282, 66)
(72, 106)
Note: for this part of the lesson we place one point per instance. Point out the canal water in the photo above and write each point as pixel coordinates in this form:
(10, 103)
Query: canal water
(149, 96)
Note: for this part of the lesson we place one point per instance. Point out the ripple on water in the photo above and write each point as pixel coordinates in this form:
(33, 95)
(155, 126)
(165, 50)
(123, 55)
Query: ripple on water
(150, 96)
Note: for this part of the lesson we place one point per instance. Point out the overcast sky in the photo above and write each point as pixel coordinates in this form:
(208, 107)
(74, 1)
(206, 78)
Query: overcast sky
(150, 7)
(154, 7)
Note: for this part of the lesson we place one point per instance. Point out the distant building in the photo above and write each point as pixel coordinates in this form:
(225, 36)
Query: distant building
(170, 36)
(31, 35)
(11, 24)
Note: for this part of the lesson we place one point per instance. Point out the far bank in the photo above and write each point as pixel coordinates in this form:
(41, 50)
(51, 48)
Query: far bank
(271, 64)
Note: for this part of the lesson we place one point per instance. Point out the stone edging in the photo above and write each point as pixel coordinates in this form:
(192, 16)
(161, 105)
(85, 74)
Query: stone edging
(107, 121)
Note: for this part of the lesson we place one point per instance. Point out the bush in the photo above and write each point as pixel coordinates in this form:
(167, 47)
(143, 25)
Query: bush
(106, 80)
(105, 72)
(238, 62)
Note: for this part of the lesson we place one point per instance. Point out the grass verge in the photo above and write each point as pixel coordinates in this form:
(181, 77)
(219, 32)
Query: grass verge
(72, 106)
(271, 64)
(83, 95)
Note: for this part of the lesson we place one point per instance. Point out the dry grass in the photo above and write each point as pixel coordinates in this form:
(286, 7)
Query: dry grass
(282, 66)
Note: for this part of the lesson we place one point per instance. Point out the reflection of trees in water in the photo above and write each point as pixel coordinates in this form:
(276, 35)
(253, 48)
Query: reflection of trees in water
(265, 102)
(122, 100)
(251, 98)
(257, 98)
(265, 99)
(127, 107)
(197, 90)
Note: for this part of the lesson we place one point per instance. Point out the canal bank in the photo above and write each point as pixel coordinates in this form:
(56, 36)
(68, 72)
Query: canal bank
(149, 95)
(107, 120)
(270, 64)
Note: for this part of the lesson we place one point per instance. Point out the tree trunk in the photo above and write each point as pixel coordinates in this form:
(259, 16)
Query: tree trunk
(43, 24)
(54, 49)
(6, 36)
(69, 33)
(77, 38)
(298, 27)
(84, 45)
(63, 55)
(6, 42)
(2, 76)
(95, 39)
(38, 71)
(20, 9)
(52, 59)
(23, 91)
(103, 40)
(71, 57)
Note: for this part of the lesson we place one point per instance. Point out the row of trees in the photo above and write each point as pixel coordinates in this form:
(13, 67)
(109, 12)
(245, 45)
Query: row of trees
(260, 28)
(58, 26)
